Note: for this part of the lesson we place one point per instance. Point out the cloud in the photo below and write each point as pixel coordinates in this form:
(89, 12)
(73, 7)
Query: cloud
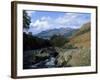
(30, 13)
(65, 18)
(45, 18)
(71, 20)
(40, 25)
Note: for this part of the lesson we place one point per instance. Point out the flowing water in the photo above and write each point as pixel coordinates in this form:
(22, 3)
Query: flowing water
(48, 63)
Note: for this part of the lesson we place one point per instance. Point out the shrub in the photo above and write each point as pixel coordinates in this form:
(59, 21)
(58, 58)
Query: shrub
(58, 40)
(70, 46)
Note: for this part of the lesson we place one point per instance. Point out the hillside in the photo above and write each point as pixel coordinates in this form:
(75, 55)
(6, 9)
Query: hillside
(79, 51)
(82, 37)
(58, 51)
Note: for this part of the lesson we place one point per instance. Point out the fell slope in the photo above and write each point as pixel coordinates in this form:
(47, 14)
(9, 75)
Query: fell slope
(79, 53)
(82, 37)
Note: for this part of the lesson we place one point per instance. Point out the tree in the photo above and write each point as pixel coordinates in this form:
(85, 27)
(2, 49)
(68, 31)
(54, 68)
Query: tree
(26, 20)
(58, 40)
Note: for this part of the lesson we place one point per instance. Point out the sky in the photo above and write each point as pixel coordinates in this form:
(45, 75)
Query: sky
(46, 20)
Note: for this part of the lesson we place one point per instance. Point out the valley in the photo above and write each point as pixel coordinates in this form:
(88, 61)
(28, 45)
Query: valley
(58, 48)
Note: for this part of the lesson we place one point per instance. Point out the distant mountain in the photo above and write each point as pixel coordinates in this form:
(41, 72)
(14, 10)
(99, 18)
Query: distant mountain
(62, 31)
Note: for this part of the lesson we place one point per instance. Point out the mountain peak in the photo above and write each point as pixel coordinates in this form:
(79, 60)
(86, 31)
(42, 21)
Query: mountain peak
(61, 31)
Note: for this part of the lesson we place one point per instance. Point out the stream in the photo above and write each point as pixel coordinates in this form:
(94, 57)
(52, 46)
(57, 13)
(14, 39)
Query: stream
(48, 63)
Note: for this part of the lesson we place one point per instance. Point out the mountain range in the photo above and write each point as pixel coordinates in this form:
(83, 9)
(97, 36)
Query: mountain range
(66, 32)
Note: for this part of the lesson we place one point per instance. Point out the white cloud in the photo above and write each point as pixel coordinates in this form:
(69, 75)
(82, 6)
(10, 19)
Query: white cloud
(43, 18)
(47, 18)
(40, 25)
(66, 18)
(30, 13)
(46, 22)
(72, 20)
